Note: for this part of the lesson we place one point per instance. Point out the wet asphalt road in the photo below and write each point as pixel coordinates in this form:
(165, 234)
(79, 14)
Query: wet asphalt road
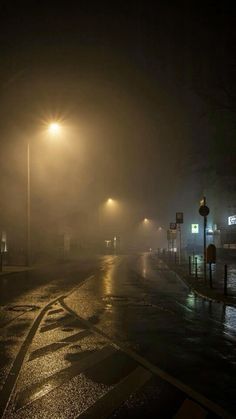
(82, 358)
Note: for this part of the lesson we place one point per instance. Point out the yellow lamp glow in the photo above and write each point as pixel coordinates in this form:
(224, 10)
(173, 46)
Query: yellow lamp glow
(54, 128)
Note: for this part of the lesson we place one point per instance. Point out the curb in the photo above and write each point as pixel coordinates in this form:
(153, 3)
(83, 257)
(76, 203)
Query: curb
(26, 269)
(198, 293)
(3, 273)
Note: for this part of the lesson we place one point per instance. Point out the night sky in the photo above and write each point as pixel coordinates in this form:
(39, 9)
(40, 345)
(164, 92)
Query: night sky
(146, 93)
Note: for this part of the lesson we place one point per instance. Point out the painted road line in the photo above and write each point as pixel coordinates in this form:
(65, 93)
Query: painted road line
(12, 377)
(45, 350)
(56, 324)
(48, 384)
(8, 388)
(79, 285)
(52, 347)
(113, 399)
(186, 307)
(193, 394)
(57, 310)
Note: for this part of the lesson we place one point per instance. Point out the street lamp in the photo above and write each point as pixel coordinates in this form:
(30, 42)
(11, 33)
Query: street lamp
(53, 129)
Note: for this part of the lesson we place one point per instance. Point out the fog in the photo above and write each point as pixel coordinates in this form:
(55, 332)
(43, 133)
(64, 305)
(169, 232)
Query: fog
(132, 128)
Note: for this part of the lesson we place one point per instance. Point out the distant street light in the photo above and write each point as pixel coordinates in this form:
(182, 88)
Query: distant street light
(53, 129)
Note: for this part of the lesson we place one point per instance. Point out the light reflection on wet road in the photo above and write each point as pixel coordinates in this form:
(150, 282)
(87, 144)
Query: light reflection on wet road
(140, 302)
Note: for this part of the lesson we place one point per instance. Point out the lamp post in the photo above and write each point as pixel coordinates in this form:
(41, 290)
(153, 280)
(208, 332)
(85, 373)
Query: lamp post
(53, 129)
(28, 257)
(204, 211)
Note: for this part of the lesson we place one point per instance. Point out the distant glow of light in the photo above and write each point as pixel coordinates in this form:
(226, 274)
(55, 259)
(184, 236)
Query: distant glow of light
(54, 128)
(110, 201)
(195, 228)
(159, 228)
(231, 220)
(145, 220)
(108, 243)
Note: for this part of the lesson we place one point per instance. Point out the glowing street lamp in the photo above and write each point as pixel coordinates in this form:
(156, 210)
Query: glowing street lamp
(53, 129)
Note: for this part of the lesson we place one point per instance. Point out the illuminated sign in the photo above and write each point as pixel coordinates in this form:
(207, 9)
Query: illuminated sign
(232, 220)
(195, 228)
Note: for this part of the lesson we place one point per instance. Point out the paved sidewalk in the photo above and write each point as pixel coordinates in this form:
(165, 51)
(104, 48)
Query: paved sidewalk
(6, 270)
(201, 287)
(15, 269)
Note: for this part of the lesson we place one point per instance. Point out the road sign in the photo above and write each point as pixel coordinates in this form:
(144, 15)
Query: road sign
(179, 217)
(195, 228)
(204, 210)
(173, 226)
(232, 220)
(171, 234)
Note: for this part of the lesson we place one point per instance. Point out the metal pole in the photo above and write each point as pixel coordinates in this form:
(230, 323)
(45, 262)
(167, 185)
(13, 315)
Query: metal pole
(225, 279)
(210, 274)
(196, 275)
(204, 245)
(28, 258)
(189, 266)
(179, 244)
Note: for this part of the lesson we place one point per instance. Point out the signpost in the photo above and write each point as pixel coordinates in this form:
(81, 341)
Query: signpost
(204, 211)
(171, 237)
(179, 217)
(211, 258)
(179, 221)
(3, 248)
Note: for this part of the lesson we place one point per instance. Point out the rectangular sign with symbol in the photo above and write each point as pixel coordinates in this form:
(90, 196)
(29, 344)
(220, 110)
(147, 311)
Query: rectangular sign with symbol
(195, 228)
(179, 217)
(232, 220)
(173, 226)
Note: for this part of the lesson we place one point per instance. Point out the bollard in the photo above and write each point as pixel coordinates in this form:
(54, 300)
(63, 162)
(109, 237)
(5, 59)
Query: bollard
(196, 276)
(225, 279)
(189, 266)
(210, 274)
